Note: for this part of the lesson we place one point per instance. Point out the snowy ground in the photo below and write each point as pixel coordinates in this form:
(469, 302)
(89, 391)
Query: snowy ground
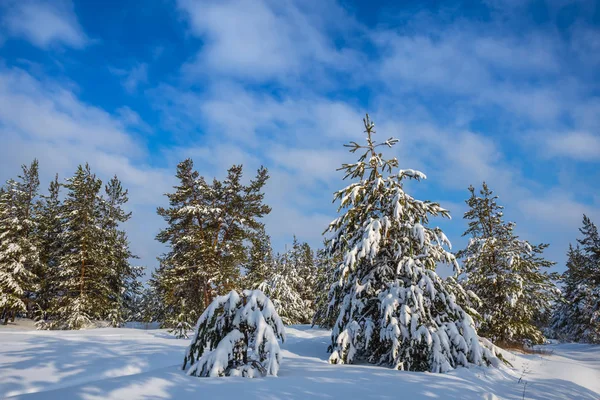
(133, 363)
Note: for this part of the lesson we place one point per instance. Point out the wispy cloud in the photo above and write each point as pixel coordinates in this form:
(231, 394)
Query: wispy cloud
(581, 146)
(132, 78)
(43, 23)
(266, 40)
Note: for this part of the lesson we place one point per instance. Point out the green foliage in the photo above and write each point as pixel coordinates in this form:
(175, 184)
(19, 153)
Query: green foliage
(208, 226)
(506, 273)
(392, 308)
(577, 317)
(50, 230)
(66, 263)
(19, 253)
(182, 324)
(326, 266)
(288, 279)
(260, 260)
(237, 335)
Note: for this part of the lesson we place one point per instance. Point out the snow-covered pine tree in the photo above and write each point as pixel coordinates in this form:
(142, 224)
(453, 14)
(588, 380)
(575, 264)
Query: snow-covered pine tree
(208, 227)
(147, 307)
(181, 273)
(122, 277)
(280, 287)
(260, 260)
(237, 335)
(302, 260)
(49, 234)
(394, 309)
(577, 317)
(84, 293)
(240, 209)
(289, 283)
(153, 307)
(506, 273)
(19, 253)
(183, 326)
(326, 266)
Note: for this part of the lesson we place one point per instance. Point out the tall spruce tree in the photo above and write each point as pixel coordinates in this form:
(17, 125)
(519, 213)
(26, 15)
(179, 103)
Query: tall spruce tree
(180, 273)
(19, 253)
(50, 229)
(94, 278)
(506, 273)
(208, 228)
(393, 307)
(577, 317)
(122, 277)
(84, 294)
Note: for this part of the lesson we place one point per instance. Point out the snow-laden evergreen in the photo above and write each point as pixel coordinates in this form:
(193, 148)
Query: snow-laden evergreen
(577, 317)
(19, 251)
(89, 271)
(287, 301)
(237, 335)
(183, 325)
(289, 281)
(49, 232)
(325, 271)
(301, 260)
(394, 309)
(259, 266)
(122, 278)
(65, 263)
(506, 273)
(81, 274)
(147, 307)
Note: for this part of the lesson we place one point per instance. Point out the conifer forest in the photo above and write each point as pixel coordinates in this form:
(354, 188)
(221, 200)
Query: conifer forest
(66, 264)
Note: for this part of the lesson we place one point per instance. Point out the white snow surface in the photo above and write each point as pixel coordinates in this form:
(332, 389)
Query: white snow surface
(122, 363)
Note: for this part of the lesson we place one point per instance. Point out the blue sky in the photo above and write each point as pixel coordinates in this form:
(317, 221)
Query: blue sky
(507, 92)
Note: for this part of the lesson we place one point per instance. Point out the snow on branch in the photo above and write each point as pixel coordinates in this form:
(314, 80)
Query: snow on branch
(237, 335)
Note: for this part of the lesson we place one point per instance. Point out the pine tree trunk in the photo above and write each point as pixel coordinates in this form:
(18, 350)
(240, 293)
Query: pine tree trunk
(81, 279)
(205, 294)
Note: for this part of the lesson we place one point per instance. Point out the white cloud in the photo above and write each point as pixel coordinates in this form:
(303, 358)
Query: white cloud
(581, 146)
(43, 23)
(45, 111)
(264, 39)
(557, 210)
(248, 116)
(132, 119)
(472, 65)
(132, 78)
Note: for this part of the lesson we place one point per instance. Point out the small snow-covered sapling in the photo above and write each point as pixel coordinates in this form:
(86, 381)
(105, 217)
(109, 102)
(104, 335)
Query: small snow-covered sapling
(237, 335)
